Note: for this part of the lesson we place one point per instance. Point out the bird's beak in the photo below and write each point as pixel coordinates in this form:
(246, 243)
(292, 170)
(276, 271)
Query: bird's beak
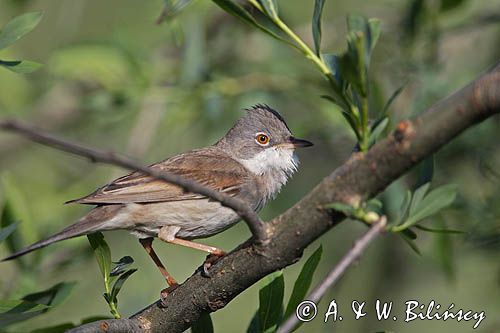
(299, 143)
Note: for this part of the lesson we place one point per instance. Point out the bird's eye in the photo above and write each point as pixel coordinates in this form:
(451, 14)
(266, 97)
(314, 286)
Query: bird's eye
(262, 139)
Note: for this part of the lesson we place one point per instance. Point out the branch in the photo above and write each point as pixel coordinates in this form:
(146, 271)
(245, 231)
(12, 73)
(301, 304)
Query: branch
(361, 177)
(241, 208)
(337, 272)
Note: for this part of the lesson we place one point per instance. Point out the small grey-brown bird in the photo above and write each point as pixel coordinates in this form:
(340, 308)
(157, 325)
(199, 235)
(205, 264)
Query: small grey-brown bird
(251, 162)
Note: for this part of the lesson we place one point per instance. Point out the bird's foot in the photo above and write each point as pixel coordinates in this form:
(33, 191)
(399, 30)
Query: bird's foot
(165, 292)
(209, 262)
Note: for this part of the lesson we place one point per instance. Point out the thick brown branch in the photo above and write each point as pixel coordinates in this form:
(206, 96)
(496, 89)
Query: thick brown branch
(361, 177)
(255, 224)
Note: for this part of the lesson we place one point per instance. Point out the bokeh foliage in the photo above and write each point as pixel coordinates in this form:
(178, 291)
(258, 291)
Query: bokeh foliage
(115, 79)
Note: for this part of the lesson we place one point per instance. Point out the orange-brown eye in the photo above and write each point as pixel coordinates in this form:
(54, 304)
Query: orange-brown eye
(262, 139)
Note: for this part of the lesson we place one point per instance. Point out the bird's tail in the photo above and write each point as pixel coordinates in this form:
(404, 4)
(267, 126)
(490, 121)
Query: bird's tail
(88, 224)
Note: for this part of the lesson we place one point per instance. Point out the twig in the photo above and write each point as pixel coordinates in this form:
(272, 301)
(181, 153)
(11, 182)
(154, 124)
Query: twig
(339, 270)
(253, 221)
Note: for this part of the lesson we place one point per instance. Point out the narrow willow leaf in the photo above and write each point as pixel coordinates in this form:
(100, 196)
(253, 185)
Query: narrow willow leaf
(121, 265)
(412, 244)
(203, 325)
(53, 296)
(303, 282)
(316, 24)
(409, 233)
(172, 8)
(20, 306)
(101, 252)
(270, 7)
(345, 209)
(355, 23)
(377, 130)
(18, 27)
(5, 232)
(16, 210)
(235, 9)
(440, 231)
(271, 302)
(117, 286)
(374, 29)
(418, 195)
(425, 171)
(15, 311)
(21, 66)
(374, 205)
(392, 98)
(435, 201)
(403, 211)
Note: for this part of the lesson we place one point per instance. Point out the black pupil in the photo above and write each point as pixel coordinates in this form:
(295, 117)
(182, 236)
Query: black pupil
(262, 138)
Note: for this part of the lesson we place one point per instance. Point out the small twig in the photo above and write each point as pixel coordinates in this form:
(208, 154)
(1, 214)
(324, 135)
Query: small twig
(253, 221)
(339, 270)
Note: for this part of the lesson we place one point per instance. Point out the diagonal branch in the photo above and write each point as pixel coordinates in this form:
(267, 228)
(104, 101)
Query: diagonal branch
(253, 221)
(337, 272)
(361, 177)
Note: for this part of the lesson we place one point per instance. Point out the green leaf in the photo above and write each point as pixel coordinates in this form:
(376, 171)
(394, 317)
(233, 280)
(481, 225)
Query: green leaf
(316, 24)
(403, 211)
(235, 9)
(303, 282)
(270, 8)
(435, 201)
(21, 66)
(392, 98)
(102, 253)
(172, 8)
(418, 195)
(117, 286)
(203, 325)
(374, 32)
(5, 232)
(20, 306)
(410, 234)
(14, 311)
(411, 243)
(345, 209)
(121, 265)
(440, 231)
(16, 210)
(33, 304)
(271, 302)
(425, 171)
(53, 296)
(18, 27)
(377, 130)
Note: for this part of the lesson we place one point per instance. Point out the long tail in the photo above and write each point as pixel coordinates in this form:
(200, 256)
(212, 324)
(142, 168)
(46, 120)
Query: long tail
(88, 224)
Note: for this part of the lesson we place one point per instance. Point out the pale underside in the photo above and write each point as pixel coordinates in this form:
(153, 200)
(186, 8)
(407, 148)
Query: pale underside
(148, 204)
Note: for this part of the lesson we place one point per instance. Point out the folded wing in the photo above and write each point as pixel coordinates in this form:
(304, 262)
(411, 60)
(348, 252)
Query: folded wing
(206, 166)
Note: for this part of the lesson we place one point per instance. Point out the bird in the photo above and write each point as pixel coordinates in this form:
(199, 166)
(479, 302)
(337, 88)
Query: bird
(251, 162)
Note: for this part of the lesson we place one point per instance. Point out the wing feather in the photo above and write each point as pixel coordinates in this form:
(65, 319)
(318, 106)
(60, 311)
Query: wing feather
(208, 166)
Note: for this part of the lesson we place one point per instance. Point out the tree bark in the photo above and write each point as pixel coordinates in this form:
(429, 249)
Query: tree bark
(359, 178)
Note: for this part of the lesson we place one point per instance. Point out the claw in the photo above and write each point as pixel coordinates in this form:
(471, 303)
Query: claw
(209, 262)
(165, 292)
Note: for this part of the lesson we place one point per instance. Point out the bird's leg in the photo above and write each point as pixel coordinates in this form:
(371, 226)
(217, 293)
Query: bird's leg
(147, 243)
(167, 234)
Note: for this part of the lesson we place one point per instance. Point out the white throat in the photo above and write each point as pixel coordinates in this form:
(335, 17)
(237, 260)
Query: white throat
(276, 165)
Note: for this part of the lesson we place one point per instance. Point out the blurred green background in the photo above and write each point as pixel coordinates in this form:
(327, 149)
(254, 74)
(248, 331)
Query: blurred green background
(114, 79)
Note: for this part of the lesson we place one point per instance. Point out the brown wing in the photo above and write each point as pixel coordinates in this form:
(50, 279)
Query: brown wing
(206, 166)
